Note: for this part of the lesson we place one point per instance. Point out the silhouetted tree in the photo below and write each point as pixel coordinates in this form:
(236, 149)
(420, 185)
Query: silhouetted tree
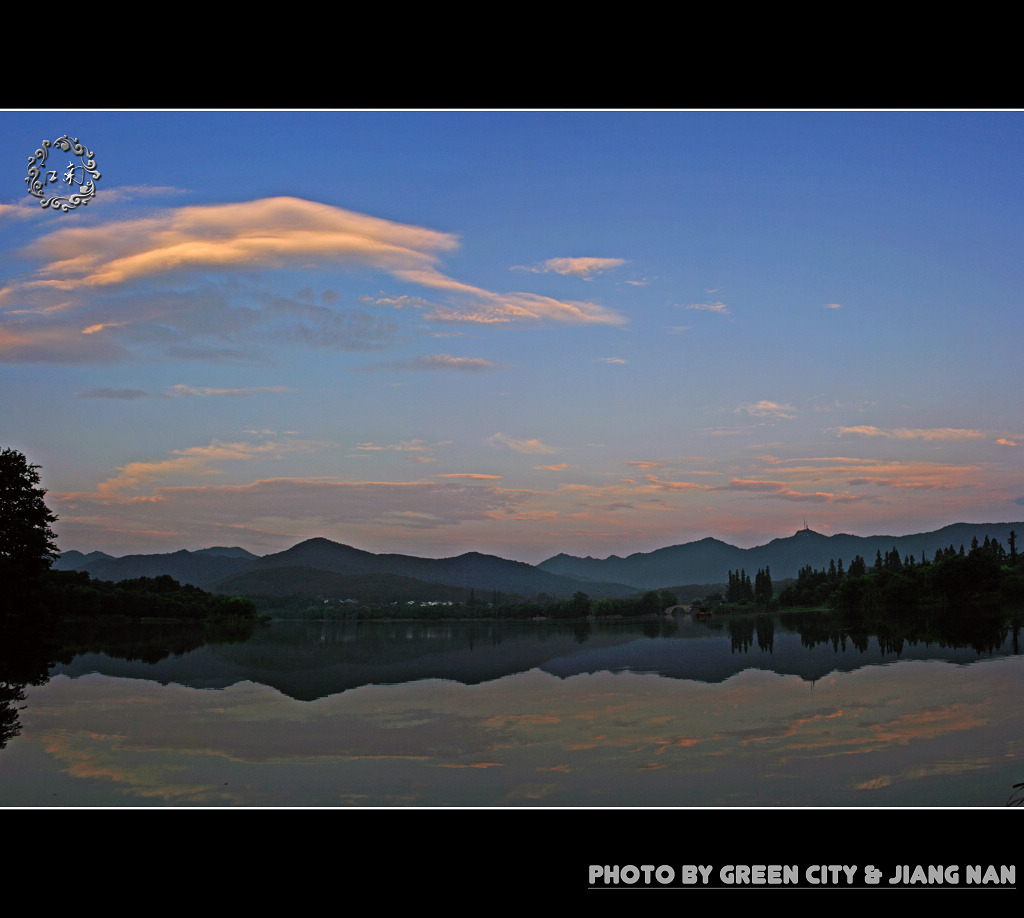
(763, 586)
(27, 543)
(740, 588)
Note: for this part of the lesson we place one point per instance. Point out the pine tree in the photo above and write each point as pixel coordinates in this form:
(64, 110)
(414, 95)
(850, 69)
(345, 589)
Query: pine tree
(763, 587)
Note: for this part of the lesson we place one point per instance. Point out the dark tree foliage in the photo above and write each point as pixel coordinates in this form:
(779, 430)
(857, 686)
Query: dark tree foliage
(74, 594)
(27, 543)
(763, 589)
(740, 589)
(812, 588)
(953, 582)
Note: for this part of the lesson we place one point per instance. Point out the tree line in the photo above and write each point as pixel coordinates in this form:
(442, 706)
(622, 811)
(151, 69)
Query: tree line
(987, 575)
(75, 593)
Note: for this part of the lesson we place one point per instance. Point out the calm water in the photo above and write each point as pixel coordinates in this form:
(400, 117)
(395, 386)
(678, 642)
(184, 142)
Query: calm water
(751, 713)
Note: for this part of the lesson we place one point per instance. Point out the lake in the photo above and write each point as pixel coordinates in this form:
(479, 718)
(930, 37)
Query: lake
(785, 711)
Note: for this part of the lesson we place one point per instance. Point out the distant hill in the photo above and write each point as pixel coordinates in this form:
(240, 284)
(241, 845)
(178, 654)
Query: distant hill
(76, 561)
(219, 569)
(470, 570)
(203, 568)
(706, 561)
(710, 560)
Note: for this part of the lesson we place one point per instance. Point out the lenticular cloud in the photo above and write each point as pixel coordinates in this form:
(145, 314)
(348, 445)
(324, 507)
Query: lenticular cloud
(265, 233)
(276, 233)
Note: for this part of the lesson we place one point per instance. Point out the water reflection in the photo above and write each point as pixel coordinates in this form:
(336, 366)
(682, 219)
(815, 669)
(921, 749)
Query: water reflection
(28, 655)
(308, 660)
(741, 712)
(25, 659)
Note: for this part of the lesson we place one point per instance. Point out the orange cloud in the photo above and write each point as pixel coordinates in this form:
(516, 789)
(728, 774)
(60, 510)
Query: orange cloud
(195, 460)
(782, 490)
(580, 267)
(675, 485)
(767, 409)
(529, 447)
(275, 233)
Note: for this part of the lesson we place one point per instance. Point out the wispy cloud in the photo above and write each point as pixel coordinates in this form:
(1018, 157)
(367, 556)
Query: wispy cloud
(404, 446)
(914, 433)
(111, 195)
(767, 409)
(227, 321)
(190, 462)
(528, 447)
(439, 362)
(207, 391)
(485, 308)
(675, 485)
(24, 209)
(840, 472)
(23, 341)
(122, 193)
(180, 390)
(579, 267)
(783, 490)
(400, 302)
(718, 307)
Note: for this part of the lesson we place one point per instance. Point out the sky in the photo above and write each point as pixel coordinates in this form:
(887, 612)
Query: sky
(514, 332)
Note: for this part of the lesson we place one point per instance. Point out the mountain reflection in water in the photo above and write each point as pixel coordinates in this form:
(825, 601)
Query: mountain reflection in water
(308, 660)
(790, 711)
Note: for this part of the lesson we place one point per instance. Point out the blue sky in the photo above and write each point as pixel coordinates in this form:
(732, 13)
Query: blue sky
(515, 332)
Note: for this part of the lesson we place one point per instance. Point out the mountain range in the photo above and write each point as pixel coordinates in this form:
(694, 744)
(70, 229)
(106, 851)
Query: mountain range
(320, 566)
(710, 560)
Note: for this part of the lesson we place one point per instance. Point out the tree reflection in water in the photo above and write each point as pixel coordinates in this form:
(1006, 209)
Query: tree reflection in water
(28, 654)
(25, 659)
